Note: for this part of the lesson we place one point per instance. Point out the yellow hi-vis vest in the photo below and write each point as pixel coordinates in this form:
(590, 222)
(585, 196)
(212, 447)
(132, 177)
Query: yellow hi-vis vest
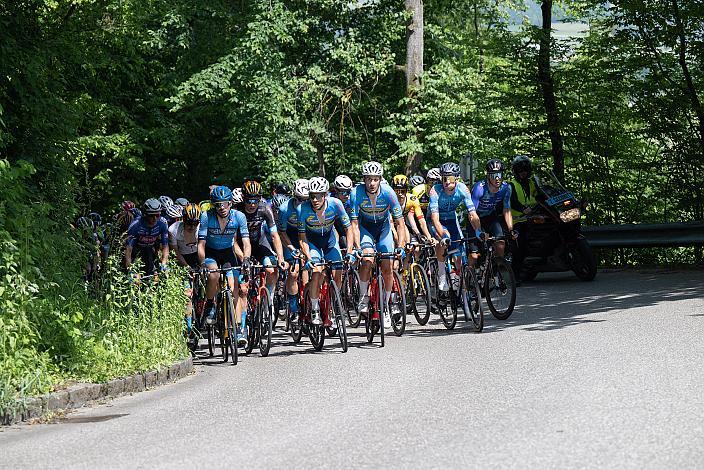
(523, 198)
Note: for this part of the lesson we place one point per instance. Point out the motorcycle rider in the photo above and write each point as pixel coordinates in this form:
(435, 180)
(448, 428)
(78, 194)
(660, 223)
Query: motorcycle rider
(524, 187)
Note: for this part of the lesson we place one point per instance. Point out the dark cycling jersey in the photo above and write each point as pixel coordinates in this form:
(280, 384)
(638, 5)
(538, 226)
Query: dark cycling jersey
(217, 238)
(141, 235)
(486, 202)
(256, 219)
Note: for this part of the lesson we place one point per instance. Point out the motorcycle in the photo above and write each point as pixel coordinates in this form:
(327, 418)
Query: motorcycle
(554, 241)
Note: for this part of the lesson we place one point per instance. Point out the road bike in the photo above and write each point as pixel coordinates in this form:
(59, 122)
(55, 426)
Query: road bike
(225, 326)
(332, 310)
(396, 304)
(497, 281)
(415, 279)
(259, 311)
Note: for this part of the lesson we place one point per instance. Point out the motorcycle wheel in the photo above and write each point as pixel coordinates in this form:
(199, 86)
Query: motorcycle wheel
(583, 261)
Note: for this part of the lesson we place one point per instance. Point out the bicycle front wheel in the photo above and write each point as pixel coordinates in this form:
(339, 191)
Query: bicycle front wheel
(231, 326)
(397, 306)
(420, 294)
(265, 319)
(500, 289)
(337, 310)
(316, 333)
(472, 299)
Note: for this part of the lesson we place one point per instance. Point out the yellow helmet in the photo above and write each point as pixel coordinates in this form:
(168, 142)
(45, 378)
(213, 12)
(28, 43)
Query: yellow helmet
(251, 188)
(205, 206)
(191, 212)
(400, 182)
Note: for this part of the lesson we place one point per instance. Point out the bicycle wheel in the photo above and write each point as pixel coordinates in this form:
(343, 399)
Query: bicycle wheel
(419, 287)
(350, 297)
(447, 307)
(252, 323)
(266, 326)
(295, 326)
(431, 269)
(382, 308)
(500, 289)
(222, 329)
(472, 299)
(337, 310)
(211, 340)
(397, 306)
(231, 326)
(316, 333)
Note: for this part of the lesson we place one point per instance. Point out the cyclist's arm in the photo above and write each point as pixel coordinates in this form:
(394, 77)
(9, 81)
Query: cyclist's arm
(237, 249)
(508, 216)
(164, 254)
(401, 230)
(424, 228)
(355, 240)
(201, 252)
(276, 240)
(411, 221)
(305, 249)
(286, 241)
(246, 247)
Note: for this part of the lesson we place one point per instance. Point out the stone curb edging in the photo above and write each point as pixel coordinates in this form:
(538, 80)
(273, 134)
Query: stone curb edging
(82, 394)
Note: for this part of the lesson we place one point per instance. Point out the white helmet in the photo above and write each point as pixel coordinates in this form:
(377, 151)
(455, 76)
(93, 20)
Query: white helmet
(372, 169)
(237, 196)
(174, 211)
(433, 174)
(166, 201)
(300, 188)
(318, 185)
(343, 183)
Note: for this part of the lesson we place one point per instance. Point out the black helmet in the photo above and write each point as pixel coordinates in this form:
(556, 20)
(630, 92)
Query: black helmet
(449, 169)
(282, 188)
(521, 163)
(96, 218)
(494, 166)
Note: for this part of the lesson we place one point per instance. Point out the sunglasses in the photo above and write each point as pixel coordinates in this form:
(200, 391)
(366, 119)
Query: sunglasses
(449, 179)
(252, 200)
(495, 176)
(192, 223)
(316, 196)
(221, 205)
(153, 216)
(344, 193)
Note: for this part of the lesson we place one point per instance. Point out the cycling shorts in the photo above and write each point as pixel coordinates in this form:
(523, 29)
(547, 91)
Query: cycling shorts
(492, 225)
(326, 250)
(224, 258)
(376, 236)
(264, 255)
(452, 226)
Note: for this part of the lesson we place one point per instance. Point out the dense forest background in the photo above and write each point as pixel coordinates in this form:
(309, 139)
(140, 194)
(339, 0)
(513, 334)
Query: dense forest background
(102, 100)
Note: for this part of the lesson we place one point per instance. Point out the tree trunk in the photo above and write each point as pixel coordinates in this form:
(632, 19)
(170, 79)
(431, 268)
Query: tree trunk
(414, 65)
(548, 91)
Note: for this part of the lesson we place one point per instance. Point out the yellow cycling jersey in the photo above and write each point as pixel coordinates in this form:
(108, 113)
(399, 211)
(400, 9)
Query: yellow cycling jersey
(412, 204)
(205, 206)
(420, 192)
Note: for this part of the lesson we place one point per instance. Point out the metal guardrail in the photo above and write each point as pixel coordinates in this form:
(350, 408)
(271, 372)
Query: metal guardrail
(645, 235)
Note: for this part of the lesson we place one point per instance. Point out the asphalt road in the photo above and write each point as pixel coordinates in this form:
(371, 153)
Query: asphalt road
(583, 375)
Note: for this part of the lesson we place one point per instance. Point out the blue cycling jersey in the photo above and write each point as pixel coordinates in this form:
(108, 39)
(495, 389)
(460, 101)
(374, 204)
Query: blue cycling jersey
(217, 238)
(320, 228)
(445, 204)
(288, 221)
(486, 202)
(140, 235)
(370, 213)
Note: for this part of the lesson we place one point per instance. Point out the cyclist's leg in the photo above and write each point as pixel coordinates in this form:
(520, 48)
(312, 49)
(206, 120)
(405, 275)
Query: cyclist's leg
(291, 281)
(368, 244)
(493, 226)
(266, 257)
(440, 254)
(385, 244)
(456, 248)
(315, 281)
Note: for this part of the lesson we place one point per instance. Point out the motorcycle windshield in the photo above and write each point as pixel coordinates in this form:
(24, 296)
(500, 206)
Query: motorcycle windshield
(554, 191)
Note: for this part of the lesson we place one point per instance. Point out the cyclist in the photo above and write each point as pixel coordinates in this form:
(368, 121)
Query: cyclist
(445, 198)
(216, 248)
(183, 240)
(174, 213)
(416, 227)
(258, 212)
(316, 221)
(372, 205)
(489, 196)
(182, 201)
(421, 190)
(341, 189)
(288, 230)
(524, 188)
(146, 233)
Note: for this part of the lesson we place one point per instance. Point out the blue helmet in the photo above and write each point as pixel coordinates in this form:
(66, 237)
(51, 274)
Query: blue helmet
(221, 194)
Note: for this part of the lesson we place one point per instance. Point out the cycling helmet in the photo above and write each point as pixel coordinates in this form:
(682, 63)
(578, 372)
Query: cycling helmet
(416, 180)
(400, 182)
(449, 169)
(282, 188)
(136, 212)
(84, 223)
(166, 201)
(494, 166)
(221, 194)
(372, 169)
(279, 200)
(152, 207)
(96, 218)
(205, 205)
(127, 205)
(182, 201)
(300, 188)
(521, 163)
(433, 174)
(237, 196)
(318, 185)
(251, 188)
(191, 213)
(343, 183)
(174, 211)
(124, 218)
